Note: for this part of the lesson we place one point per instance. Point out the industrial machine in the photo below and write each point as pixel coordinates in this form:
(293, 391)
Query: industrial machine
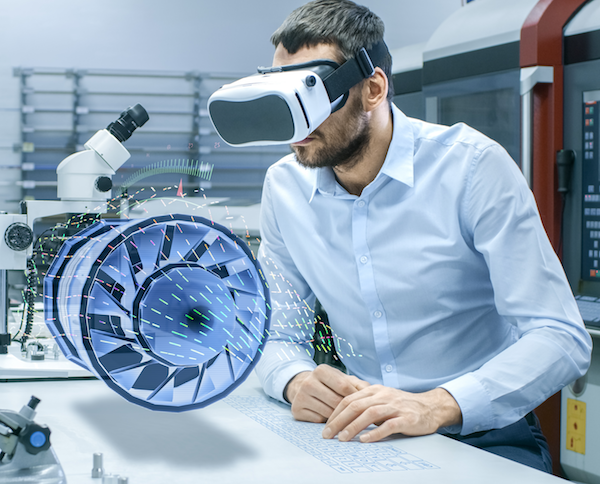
(498, 66)
(471, 71)
(580, 444)
(407, 76)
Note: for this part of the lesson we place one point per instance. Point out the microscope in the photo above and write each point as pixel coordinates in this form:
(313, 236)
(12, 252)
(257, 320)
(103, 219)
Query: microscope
(26, 456)
(84, 185)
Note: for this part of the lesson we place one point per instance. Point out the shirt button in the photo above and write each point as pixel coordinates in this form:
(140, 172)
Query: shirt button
(361, 203)
(377, 314)
(388, 368)
(364, 259)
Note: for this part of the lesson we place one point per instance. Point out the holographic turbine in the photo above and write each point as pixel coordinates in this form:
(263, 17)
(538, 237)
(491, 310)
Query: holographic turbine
(172, 312)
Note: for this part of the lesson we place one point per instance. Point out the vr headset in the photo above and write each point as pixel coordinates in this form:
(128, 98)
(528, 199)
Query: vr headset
(284, 104)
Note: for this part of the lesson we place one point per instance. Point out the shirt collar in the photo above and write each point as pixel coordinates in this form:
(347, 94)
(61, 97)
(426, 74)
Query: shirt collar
(398, 163)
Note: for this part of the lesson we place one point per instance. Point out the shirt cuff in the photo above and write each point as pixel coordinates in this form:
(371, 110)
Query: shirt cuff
(474, 402)
(285, 375)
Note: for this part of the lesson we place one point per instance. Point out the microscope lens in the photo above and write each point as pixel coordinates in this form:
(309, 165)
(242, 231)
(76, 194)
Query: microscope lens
(129, 120)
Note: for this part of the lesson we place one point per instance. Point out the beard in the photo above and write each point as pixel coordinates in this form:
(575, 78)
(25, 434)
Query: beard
(347, 141)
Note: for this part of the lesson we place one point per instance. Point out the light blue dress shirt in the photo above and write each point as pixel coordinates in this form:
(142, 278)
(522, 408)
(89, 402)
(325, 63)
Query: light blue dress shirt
(439, 274)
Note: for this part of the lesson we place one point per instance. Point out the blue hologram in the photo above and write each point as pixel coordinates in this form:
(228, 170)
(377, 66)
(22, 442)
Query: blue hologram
(172, 312)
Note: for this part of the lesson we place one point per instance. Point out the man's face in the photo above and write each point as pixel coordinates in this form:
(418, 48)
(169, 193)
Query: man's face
(344, 136)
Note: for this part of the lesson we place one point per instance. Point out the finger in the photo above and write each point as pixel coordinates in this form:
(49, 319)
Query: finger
(340, 420)
(409, 424)
(307, 415)
(359, 395)
(389, 427)
(313, 404)
(334, 379)
(370, 415)
(316, 389)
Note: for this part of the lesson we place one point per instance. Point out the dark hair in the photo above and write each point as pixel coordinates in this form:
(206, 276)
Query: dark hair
(338, 22)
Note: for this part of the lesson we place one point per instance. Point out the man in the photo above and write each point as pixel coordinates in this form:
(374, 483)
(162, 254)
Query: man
(423, 243)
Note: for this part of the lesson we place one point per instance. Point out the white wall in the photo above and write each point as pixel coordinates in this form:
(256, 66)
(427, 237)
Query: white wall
(202, 35)
(213, 35)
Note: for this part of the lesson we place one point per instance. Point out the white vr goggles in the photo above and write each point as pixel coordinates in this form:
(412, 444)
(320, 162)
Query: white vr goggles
(284, 104)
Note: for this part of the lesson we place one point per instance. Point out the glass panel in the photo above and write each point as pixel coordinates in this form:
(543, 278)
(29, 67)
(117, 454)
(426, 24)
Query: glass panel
(491, 112)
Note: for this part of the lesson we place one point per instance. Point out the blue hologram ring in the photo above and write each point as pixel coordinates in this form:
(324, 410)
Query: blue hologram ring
(172, 312)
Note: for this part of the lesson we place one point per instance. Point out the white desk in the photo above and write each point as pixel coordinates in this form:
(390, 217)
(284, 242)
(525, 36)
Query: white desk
(13, 366)
(220, 444)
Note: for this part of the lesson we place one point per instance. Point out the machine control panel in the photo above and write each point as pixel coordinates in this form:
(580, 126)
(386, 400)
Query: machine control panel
(590, 259)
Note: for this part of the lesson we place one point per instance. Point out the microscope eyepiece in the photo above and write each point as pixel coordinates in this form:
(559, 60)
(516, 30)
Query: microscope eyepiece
(33, 402)
(129, 120)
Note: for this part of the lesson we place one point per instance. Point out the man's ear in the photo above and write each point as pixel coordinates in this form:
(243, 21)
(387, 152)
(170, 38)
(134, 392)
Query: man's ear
(375, 90)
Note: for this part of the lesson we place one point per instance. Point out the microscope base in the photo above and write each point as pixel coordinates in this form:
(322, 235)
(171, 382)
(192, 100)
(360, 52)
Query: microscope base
(25, 468)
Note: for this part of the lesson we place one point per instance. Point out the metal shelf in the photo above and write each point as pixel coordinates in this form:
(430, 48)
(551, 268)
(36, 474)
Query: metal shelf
(49, 71)
(84, 110)
(87, 92)
(60, 107)
(86, 129)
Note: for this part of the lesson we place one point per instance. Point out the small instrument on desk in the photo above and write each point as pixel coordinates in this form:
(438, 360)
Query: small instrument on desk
(26, 456)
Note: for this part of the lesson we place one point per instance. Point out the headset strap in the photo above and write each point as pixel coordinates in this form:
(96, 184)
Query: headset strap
(351, 72)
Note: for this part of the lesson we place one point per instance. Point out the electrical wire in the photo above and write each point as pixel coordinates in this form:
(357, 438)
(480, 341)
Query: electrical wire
(562, 224)
(28, 305)
(45, 248)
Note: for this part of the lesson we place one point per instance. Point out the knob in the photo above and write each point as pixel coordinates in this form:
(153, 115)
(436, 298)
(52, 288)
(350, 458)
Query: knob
(18, 236)
(35, 438)
(103, 184)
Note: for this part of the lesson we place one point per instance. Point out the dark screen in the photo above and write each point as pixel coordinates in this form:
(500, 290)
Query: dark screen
(267, 118)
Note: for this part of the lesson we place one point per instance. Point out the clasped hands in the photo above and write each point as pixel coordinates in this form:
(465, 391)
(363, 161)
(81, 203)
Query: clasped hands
(349, 405)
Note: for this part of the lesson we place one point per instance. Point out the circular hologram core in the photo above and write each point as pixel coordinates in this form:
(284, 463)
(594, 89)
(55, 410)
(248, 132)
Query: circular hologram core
(172, 312)
(186, 314)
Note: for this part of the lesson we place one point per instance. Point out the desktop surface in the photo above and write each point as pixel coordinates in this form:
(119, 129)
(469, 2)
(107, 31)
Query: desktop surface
(244, 438)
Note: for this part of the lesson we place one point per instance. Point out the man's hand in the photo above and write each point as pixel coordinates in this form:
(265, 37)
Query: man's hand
(394, 411)
(314, 395)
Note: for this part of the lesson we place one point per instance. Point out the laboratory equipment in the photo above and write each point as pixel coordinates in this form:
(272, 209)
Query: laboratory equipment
(407, 76)
(84, 185)
(171, 310)
(471, 70)
(580, 443)
(26, 455)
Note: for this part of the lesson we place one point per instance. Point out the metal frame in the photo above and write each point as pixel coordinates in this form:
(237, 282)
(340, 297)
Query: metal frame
(202, 142)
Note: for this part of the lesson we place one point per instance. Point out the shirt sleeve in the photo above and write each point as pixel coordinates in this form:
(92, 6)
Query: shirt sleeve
(552, 347)
(289, 348)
